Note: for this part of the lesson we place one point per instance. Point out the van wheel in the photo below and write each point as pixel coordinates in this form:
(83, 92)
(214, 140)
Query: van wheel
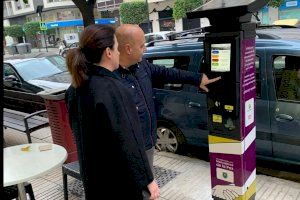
(169, 138)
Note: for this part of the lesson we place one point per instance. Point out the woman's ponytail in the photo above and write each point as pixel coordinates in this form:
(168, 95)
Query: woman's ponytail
(76, 63)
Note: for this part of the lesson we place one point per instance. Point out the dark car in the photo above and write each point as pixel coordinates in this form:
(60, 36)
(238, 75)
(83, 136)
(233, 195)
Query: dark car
(182, 109)
(24, 78)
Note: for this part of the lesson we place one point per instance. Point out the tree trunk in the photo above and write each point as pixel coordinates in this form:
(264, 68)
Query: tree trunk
(86, 8)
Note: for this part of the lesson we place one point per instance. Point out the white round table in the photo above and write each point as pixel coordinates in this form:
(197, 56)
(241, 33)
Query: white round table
(21, 166)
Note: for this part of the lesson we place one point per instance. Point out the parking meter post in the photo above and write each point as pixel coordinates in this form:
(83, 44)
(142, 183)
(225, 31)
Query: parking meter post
(39, 10)
(45, 40)
(229, 52)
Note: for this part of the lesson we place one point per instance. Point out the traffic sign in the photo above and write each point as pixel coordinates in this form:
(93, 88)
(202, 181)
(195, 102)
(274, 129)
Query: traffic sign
(43, 26)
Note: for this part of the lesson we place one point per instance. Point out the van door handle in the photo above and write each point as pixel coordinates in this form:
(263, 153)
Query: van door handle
(173, 85)
(194, 104)
(283, 117)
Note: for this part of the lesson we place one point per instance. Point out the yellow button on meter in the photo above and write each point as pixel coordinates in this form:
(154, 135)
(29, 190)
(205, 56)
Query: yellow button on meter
(217, 118)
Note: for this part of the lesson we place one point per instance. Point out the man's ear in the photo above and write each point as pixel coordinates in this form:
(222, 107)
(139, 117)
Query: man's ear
(128, 49)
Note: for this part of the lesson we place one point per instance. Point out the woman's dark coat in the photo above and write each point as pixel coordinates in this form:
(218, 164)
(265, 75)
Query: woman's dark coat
(110, 146)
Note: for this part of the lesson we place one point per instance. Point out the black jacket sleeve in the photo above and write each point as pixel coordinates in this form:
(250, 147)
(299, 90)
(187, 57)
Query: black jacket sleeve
(171, 75)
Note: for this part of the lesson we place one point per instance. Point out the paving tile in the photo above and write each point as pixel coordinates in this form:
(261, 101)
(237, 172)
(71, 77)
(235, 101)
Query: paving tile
(41, 133)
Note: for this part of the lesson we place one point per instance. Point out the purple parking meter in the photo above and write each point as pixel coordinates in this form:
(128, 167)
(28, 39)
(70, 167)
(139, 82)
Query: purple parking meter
(229, 52)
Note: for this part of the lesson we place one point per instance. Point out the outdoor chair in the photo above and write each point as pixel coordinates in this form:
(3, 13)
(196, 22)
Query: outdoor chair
(71, 169)
(11, 192)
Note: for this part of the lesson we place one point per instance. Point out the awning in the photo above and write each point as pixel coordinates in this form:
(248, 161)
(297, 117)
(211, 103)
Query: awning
(78, 22)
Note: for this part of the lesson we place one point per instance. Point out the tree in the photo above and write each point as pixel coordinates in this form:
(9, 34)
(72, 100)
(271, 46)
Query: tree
(135, 12)
(275, 3)
(86, 8)
(14, 31)
(181, 7)
(31, 28)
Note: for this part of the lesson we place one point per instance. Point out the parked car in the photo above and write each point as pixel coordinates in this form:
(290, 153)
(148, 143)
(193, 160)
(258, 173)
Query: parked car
(24, 78)
(278, 32)
(162, 35)
(182, 109)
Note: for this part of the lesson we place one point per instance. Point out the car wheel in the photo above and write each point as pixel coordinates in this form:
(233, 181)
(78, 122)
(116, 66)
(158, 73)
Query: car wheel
(169, 138)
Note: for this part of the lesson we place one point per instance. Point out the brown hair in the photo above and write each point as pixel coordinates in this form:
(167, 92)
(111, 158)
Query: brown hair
(93, 41)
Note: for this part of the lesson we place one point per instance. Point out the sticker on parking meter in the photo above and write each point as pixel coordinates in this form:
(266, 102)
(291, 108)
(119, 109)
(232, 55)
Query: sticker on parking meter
(249, 114)
(217, 118)
(225, 175)
(224, 170)
(220, 57)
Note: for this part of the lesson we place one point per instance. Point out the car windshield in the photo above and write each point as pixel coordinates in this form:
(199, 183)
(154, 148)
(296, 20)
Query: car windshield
(38, 68)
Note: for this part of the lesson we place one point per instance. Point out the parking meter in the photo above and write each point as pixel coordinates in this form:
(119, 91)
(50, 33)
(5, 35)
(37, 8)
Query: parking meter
(229, 52)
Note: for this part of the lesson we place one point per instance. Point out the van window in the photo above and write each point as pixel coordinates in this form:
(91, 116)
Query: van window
(176, 62)
(258, 78)
(287, 77)
(168, 63)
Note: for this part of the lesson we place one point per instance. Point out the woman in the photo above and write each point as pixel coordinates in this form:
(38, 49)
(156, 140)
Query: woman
(104, 121)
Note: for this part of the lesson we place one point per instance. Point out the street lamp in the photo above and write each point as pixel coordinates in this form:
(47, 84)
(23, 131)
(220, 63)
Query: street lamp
(149, 29)
(39, 10)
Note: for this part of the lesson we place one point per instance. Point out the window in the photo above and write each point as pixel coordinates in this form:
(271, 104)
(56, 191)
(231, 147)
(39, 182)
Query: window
(167, 25)
(158, 37)
(180, 62)
(287, 77)
(258, 78)
(18, 5)
(149, 38)
(65, 15)
(166, 21)
(8, 70)
(168, 63)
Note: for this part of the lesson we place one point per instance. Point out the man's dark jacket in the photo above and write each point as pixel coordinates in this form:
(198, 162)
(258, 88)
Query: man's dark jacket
(107, 130)
(139, 79)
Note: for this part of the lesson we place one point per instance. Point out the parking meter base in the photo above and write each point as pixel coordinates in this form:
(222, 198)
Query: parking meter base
(233, 167)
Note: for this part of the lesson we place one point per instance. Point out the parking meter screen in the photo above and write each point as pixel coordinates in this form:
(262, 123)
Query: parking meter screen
(220, 57)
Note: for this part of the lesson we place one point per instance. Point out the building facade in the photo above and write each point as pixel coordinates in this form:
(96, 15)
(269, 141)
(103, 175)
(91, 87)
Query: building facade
(161, 18)
(54, 12)
(290, 9)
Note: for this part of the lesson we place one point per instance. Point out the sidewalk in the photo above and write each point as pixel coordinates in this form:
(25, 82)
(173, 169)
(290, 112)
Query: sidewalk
(179, 177)
(34, 53)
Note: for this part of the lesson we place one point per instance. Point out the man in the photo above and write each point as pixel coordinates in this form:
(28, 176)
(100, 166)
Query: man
(137, 75)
